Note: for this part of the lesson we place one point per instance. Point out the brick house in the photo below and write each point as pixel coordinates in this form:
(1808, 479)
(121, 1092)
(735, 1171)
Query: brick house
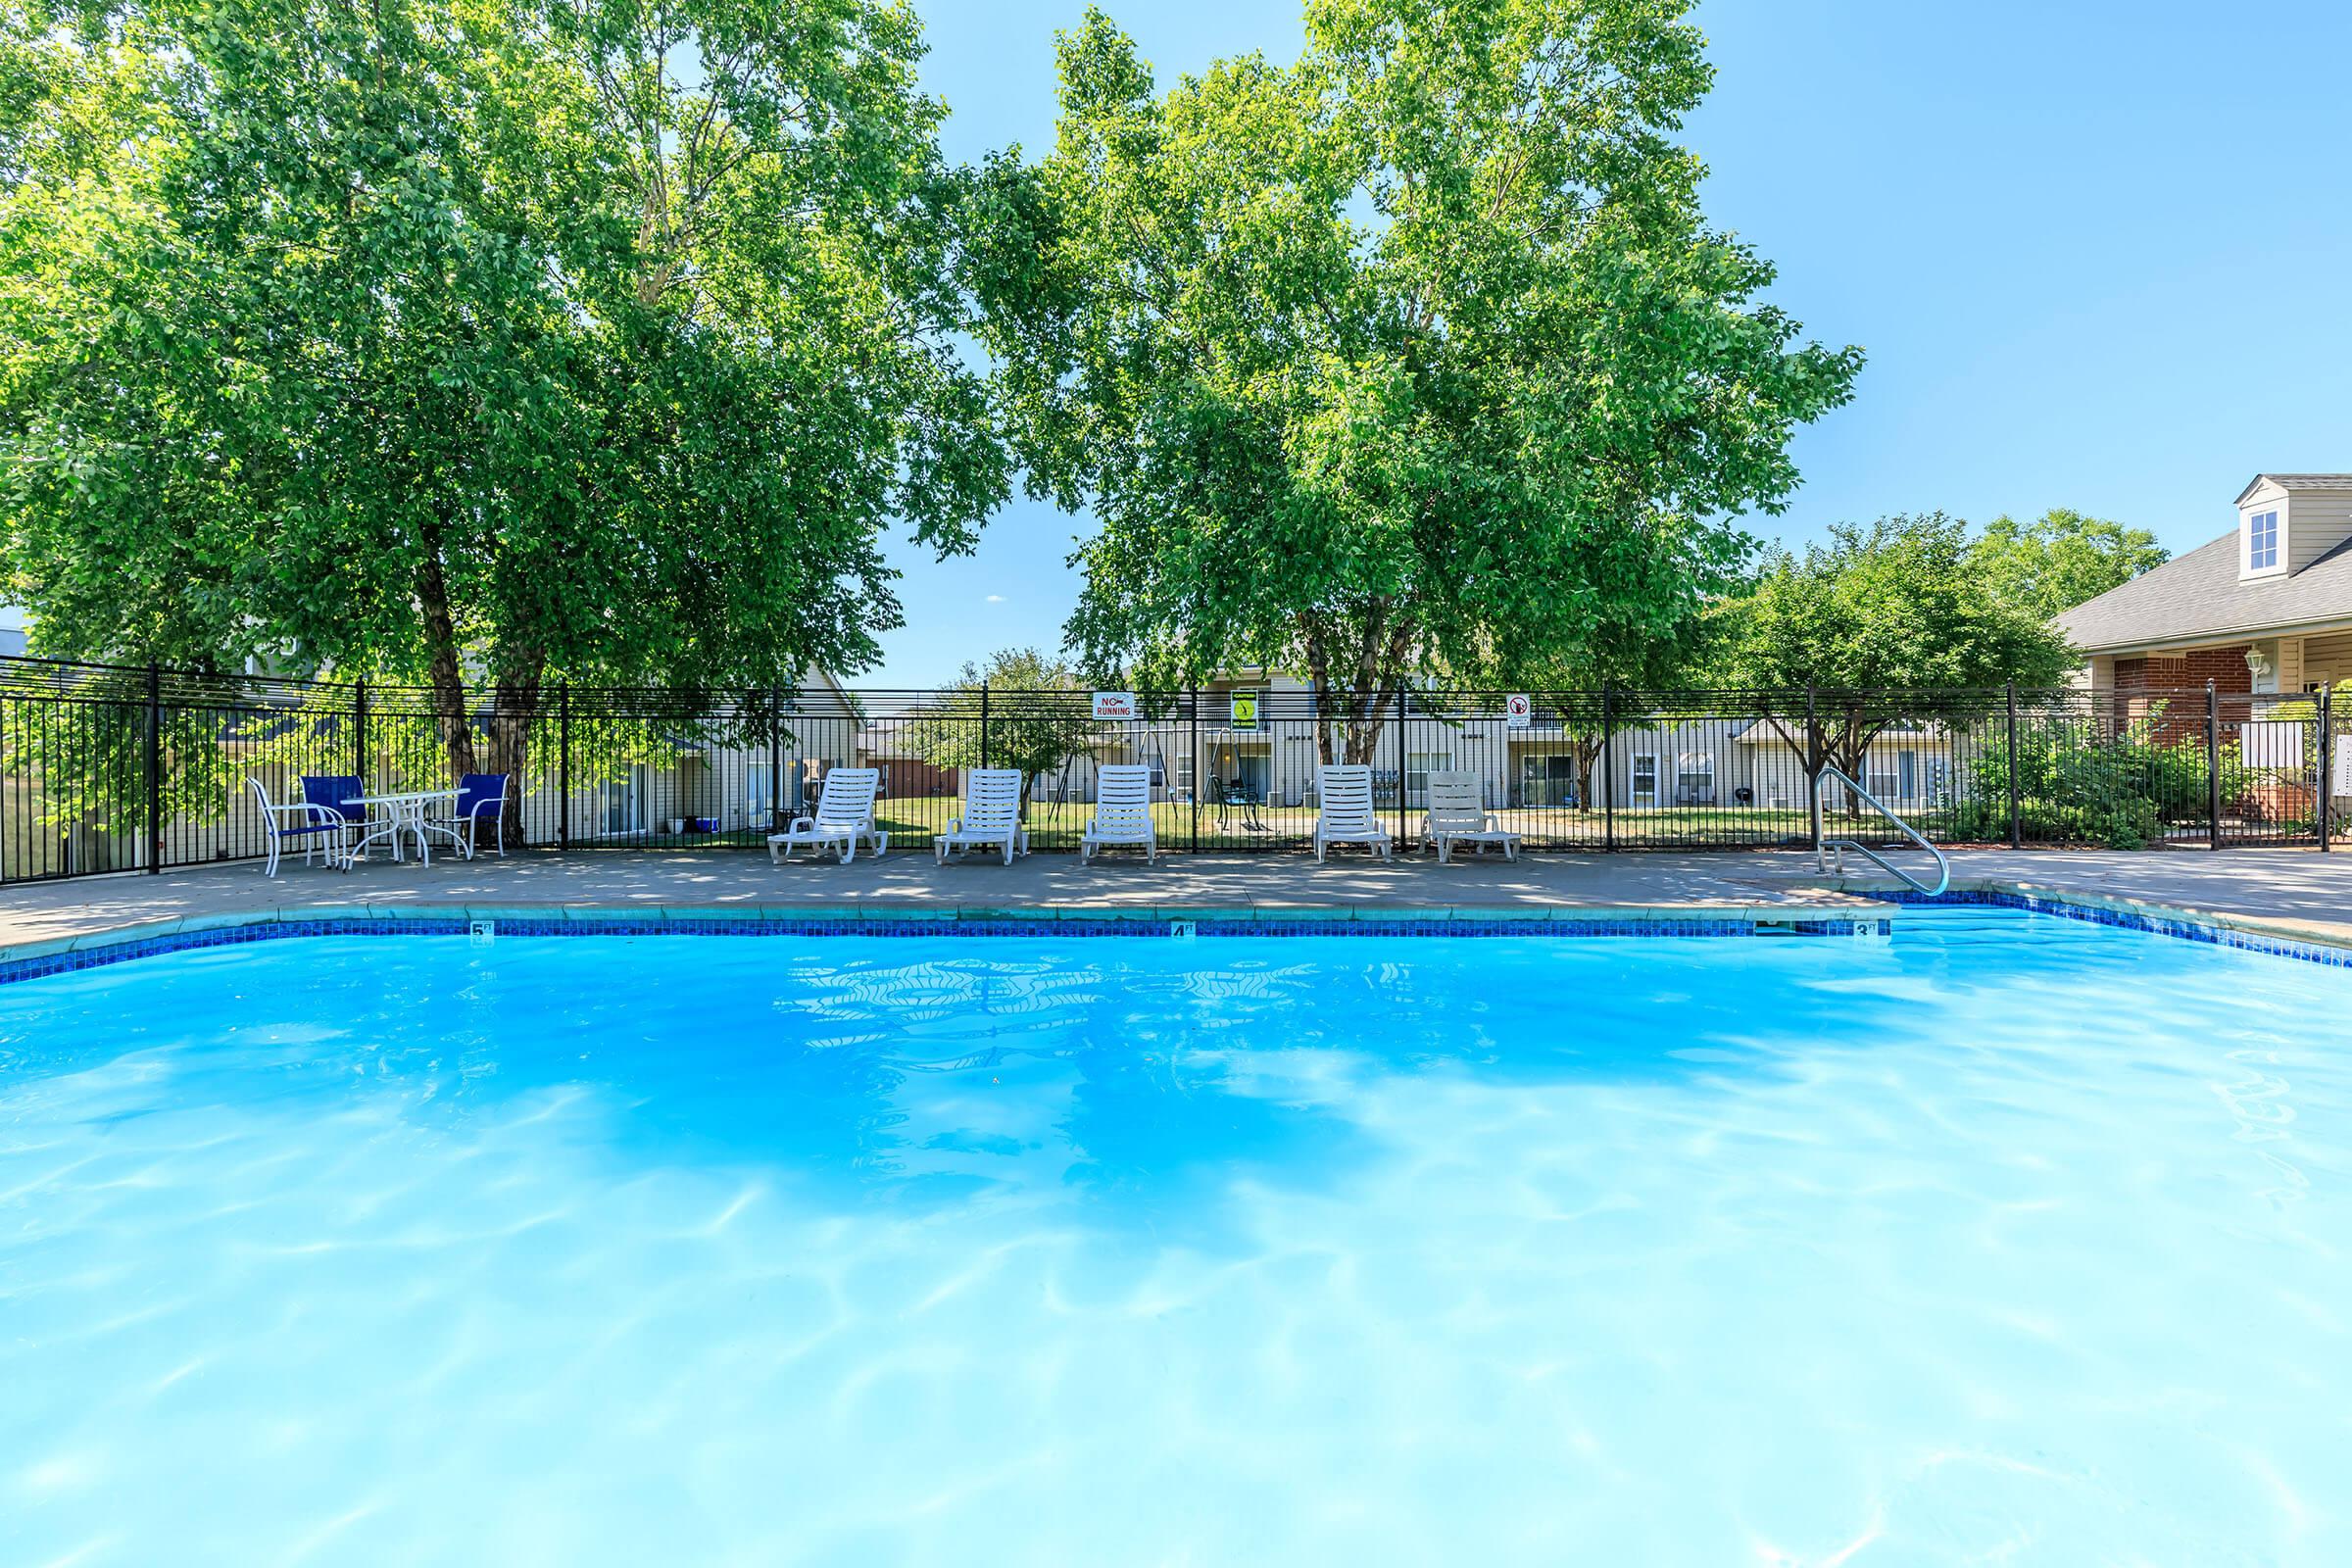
(2264, 609)
(2264, 614)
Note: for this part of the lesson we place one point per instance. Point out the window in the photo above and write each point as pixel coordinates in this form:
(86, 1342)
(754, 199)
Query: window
(1907, 773)
(1646, 778)
(1694, 779)
(2262, 541)
(1418, 765)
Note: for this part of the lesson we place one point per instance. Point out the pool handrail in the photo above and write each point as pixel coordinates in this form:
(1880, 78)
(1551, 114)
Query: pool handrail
(1839, 846)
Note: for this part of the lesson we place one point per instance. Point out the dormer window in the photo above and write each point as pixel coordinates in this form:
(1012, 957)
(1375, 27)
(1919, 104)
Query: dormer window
(2262, 541)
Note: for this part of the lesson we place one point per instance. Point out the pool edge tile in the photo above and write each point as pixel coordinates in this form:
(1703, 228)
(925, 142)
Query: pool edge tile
(1850, 917)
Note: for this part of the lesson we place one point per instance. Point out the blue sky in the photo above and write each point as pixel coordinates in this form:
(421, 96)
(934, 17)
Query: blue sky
(2098, 252)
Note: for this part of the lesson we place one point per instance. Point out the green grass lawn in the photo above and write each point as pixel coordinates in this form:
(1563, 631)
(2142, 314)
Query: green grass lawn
(1061, 825)
(912, 824)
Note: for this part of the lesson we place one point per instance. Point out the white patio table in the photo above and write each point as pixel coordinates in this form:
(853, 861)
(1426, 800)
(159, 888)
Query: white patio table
(404, 813)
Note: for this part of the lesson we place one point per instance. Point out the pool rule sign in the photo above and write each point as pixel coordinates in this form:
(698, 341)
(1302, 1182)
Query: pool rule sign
(1518, 711)
(1245, 711)
(1114, 705)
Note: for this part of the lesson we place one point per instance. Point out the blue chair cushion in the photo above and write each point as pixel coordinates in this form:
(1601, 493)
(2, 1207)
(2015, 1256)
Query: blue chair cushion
(479, 793)
(337, 790)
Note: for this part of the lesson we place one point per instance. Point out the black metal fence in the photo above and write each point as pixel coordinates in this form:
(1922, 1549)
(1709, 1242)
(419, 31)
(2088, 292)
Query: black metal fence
(107, 768)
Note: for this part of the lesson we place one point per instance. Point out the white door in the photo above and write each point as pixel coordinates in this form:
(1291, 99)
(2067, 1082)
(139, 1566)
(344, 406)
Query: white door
(625, 801)
(759, 793)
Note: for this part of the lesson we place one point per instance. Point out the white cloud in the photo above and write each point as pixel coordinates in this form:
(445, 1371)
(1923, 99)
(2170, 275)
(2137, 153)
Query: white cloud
(995, 598)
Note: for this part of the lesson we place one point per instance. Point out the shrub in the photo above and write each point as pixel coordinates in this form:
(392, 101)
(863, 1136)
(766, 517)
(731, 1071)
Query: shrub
(2117, 792)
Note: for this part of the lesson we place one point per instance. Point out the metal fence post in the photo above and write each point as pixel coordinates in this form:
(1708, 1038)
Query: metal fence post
(2213, 767)
(155, 768)
(775, 758)
(2016, 826)
(984, 724)
(1194, 698)
(564, 764)
(1812, 767)
(1401, 759)
(1608, 781)
(2326, 794)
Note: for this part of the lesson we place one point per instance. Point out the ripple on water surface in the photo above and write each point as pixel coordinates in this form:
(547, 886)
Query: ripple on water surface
(2010, 1240)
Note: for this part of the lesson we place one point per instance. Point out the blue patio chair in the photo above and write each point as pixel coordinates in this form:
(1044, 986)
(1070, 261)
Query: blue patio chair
(332, 798)
(334, 792)
(482, 794)
(315, 827)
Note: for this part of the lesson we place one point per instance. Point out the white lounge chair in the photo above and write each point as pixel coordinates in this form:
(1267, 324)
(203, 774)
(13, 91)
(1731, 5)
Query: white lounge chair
(845, 813)
(992, 816)
(1347, 815)
(1122, 813)
(1458, 814)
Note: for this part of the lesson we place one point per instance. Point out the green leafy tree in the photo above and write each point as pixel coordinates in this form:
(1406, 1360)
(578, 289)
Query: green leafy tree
(1416, 352)
(1039, 716)
(472, 340)
(2062, 559)
(1892, 625)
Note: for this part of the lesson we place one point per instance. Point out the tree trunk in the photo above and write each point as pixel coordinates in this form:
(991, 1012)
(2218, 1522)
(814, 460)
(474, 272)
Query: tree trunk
(1363, 728)
(1318, 673)
(1849, 750)
(1346, 724)
(1586, 752)
(445, 670)
(1379, 672)
(511, 725)
(515, 703)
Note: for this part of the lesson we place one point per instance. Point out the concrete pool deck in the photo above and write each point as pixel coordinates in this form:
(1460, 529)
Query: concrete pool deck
(2296, 895)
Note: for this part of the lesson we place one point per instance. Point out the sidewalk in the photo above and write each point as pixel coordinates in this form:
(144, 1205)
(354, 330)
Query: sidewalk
(2288, 891)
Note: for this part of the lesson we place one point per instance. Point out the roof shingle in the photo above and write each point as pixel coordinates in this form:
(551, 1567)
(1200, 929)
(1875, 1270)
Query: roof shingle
(2200, 595)
(2297, 481)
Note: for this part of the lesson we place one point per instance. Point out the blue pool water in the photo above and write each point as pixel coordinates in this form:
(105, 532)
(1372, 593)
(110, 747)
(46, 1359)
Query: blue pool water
(2012, 1240)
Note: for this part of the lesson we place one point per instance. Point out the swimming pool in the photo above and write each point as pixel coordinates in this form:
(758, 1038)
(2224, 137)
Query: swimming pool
(2009, 1240)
